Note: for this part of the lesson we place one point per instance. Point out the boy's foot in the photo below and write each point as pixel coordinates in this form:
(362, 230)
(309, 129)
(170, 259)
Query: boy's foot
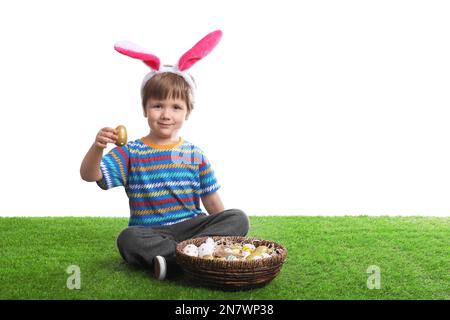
(159, 267)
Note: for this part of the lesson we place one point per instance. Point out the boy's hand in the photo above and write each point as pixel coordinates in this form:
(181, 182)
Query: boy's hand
(105, 136)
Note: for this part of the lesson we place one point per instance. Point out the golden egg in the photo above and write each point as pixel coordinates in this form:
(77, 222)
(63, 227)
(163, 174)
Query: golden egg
(121, 136)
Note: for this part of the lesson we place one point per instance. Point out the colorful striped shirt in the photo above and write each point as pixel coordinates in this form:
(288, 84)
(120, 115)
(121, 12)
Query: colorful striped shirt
(163, 182)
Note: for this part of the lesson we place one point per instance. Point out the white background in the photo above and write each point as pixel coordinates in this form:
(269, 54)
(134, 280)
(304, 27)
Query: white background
(305, 108)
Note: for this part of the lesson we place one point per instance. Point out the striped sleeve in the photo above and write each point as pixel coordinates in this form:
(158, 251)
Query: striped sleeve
(208, 181)
(114, 168)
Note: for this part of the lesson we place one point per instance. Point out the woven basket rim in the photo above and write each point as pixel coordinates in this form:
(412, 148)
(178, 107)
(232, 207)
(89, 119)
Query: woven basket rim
(197, 263)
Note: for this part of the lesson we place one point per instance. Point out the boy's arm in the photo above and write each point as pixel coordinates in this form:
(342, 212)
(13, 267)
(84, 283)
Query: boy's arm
(212, 203)
(90, 167)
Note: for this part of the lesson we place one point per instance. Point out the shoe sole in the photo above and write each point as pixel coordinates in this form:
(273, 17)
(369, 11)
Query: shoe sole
(160, 268)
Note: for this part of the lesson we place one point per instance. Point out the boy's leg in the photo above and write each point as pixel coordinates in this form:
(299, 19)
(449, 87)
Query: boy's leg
(232, 222)
(139, 245)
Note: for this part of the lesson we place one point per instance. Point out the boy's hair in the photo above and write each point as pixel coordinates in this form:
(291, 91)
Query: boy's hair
(168, 85)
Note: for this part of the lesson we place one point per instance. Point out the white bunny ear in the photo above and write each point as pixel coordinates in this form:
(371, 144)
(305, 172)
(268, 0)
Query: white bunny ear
(134, 51)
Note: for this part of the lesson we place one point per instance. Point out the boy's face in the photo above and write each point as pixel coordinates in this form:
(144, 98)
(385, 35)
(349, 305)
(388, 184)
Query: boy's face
(166, 117)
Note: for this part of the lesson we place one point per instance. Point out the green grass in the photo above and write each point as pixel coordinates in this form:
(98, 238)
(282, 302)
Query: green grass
(328, 258)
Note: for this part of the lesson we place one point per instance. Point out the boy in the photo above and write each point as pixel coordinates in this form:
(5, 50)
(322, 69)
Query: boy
(164, 176)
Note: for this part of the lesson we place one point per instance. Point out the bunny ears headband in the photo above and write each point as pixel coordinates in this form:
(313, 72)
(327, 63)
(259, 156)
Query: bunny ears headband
(200, 50)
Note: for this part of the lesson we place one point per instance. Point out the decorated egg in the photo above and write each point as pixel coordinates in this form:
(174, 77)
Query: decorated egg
(253, 256)
(235, 251)
(248, 247)
(205, 250)
(228, 250)
(191, 250)
(232, 258)
(210, 242)
(261, 249)
(236, 246)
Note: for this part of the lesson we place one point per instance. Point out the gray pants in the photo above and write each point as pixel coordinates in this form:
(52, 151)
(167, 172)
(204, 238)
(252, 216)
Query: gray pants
(139, 245)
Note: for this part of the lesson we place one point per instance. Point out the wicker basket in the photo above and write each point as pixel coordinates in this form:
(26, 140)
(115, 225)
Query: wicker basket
(240, 274)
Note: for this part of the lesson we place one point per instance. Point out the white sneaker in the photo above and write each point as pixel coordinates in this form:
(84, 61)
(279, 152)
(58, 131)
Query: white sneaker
(159, 267)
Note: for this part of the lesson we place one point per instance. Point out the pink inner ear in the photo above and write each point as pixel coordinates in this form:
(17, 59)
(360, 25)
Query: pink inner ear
(134, 51)
(200, 50)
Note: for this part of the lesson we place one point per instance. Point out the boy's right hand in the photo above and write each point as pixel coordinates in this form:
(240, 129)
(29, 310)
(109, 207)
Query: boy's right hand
(105, 136)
